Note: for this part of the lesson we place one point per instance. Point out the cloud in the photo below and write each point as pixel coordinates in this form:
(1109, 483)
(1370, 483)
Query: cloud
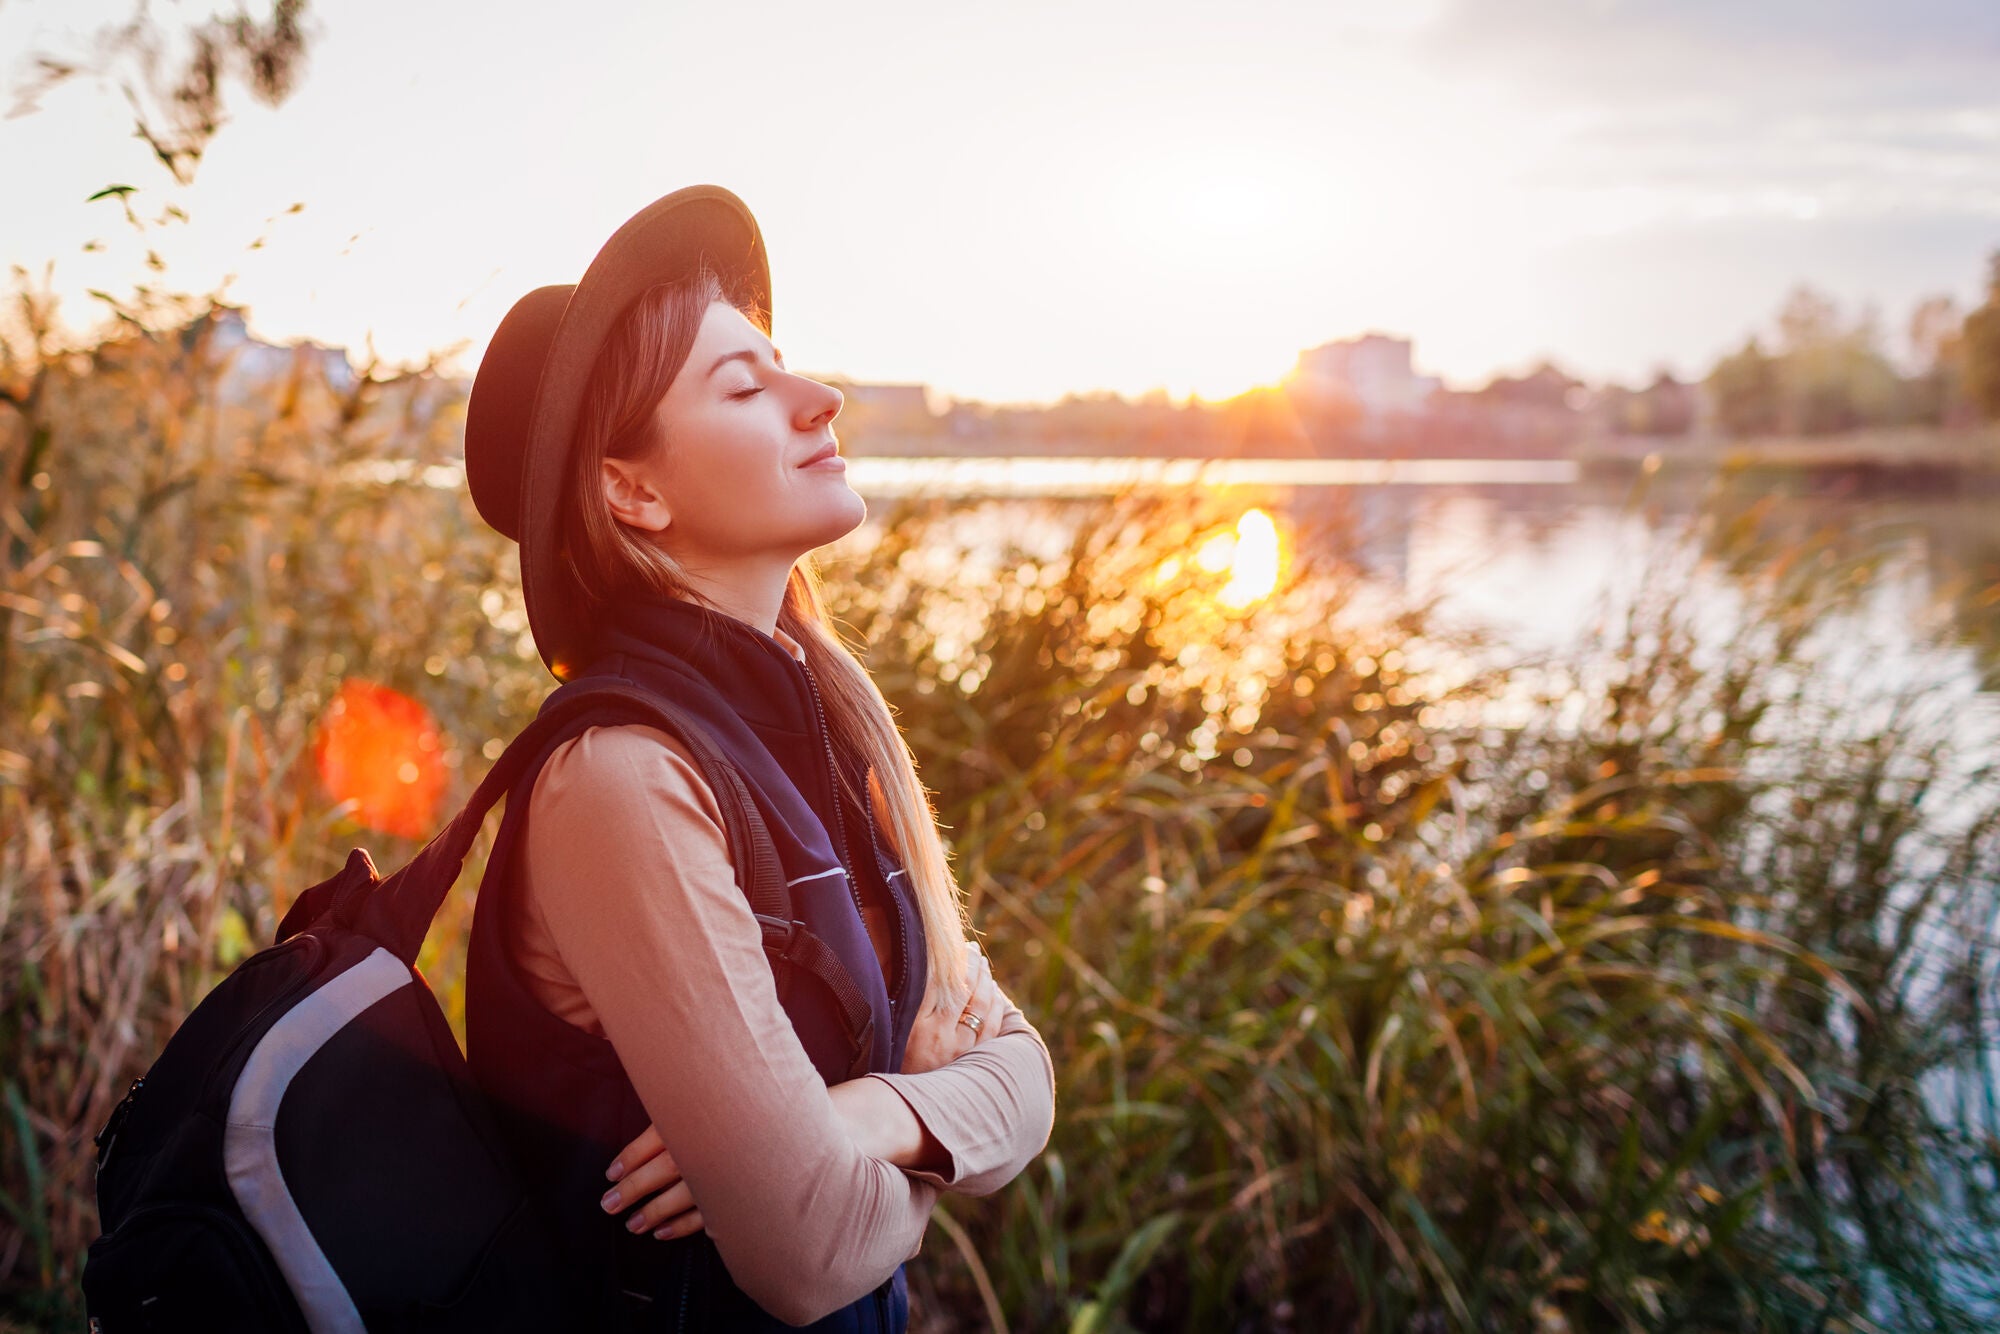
(1693, 111)
(1937, 52)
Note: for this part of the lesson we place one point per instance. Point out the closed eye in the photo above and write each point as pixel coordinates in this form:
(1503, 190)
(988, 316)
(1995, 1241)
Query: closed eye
(745, 393)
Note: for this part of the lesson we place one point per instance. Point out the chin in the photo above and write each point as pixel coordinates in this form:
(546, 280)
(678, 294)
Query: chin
(841, 517)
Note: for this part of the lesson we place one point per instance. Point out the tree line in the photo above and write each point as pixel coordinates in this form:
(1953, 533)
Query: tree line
(1821, 374)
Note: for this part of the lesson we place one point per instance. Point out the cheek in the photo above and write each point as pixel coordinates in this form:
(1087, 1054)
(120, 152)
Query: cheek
(699, 447)
(699, 476)
(728, 482)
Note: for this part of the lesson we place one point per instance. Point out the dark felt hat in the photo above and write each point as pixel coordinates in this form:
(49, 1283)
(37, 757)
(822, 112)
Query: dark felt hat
(521, 419)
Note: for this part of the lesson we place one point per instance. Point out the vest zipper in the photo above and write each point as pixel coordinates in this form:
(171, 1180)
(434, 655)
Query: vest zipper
(840, 833)
(895, 900)
(833, 778)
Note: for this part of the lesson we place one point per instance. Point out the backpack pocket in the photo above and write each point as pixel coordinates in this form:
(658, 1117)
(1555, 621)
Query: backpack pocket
(175, 1267)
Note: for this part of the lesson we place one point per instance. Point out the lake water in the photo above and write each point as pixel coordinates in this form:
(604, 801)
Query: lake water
(1533, 551)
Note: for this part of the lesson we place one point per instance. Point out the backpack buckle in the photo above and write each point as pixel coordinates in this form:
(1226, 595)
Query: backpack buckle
(778, 932)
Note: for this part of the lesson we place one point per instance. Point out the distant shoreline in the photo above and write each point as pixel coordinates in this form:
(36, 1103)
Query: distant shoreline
(1924, 449)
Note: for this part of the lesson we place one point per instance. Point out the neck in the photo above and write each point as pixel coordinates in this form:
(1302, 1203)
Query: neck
(752, 590)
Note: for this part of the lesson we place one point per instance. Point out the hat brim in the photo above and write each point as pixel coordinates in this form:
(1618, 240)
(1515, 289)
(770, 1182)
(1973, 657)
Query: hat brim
(662, 242)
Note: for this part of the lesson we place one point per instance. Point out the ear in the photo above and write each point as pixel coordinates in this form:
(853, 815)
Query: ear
(634, 498)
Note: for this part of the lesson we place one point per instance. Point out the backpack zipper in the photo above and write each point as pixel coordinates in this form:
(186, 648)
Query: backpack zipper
(254, 1029)
(108, 1136)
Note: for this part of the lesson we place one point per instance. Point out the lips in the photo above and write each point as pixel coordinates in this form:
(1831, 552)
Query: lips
(825, 451)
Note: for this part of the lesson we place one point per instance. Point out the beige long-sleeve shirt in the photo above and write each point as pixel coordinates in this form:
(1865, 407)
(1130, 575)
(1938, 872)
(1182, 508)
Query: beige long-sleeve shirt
(633, 928)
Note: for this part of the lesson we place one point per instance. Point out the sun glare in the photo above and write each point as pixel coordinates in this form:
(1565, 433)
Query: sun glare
(378, 748)
(1249, 555)
(1253, 561)
(1216, 554)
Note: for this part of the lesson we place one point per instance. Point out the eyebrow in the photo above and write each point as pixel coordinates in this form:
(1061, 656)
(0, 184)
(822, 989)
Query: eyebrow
(747, 354)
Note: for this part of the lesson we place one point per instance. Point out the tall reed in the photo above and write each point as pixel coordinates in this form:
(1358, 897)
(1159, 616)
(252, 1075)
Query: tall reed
(199, 549)
(1392, 992)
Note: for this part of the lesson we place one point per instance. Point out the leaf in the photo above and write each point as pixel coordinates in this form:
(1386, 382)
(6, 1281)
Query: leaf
(33, 1208)
(1100, 1311)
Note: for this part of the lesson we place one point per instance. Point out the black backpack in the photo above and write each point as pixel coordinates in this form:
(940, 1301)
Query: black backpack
(310, 1151)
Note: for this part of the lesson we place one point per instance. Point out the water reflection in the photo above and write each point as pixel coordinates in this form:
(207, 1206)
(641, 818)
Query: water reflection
(887, 476)
(1537, 551)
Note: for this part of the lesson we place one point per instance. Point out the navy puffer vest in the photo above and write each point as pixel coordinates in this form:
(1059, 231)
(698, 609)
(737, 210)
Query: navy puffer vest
(563, 1098)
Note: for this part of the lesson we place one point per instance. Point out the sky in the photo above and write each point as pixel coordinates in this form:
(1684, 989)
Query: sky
(1014, 202)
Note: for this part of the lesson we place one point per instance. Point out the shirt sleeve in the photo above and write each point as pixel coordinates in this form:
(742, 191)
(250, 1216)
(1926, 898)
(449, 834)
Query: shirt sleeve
(992, 1109)
(628, 866)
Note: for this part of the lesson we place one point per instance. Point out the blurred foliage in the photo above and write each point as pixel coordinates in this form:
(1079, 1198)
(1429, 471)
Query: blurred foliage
(202, 543)
(175, 77)
(1389, 994)
(1388, 988)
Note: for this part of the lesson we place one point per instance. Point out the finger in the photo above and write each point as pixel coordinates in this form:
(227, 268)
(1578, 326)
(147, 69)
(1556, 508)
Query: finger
(1007, 1003)
(990, 1006)
(977, 971)
(994, 1014)
(648, 1178)
(976, 1007)
(638, 1151)
(975, 959)
(681, 1225)
(675, 1199)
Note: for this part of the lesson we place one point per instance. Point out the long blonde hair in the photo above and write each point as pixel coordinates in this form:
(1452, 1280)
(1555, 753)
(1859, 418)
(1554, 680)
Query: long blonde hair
(610, 559)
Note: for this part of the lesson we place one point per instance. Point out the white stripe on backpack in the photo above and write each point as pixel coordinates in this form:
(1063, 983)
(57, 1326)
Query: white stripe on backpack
(249, 1144)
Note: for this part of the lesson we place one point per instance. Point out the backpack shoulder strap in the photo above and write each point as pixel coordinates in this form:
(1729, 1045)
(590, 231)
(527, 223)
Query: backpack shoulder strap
(398, 912)
(760, 874)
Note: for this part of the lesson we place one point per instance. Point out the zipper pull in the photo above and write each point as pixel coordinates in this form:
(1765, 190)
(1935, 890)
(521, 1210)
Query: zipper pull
(106, 1137)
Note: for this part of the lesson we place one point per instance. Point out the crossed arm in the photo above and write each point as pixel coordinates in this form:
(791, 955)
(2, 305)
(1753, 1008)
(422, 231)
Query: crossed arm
(635, 928)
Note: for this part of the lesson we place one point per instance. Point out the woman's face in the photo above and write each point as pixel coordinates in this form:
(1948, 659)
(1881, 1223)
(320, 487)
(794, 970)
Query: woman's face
(724, 484)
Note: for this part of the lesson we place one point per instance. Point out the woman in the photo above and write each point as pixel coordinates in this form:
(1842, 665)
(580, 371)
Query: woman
(667, 479)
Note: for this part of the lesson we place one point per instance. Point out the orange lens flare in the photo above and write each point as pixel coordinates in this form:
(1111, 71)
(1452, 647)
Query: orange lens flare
(378, 748)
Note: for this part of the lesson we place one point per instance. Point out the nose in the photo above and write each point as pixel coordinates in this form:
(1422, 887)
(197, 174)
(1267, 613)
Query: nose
(818, 403)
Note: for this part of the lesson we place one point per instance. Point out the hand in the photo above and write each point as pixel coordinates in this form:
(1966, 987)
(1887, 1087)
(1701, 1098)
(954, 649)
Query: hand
(937, 1037)
(643, 1168)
